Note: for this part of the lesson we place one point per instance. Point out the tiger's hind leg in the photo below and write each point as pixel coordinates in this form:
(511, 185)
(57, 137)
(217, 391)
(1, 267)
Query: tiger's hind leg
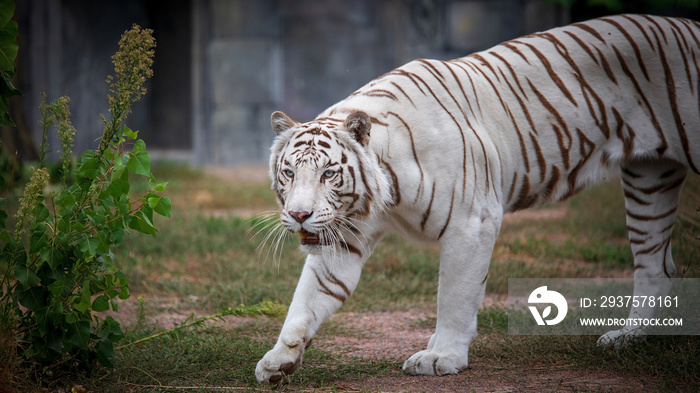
(652, 191)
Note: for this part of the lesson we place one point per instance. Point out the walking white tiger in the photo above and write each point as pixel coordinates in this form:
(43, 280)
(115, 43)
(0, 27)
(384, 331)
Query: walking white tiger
(456, 144)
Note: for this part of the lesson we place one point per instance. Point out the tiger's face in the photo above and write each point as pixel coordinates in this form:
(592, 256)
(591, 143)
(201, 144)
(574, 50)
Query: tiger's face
(319, 174)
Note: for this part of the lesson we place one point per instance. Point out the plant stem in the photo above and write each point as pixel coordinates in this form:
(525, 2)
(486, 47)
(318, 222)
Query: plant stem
(197, 321)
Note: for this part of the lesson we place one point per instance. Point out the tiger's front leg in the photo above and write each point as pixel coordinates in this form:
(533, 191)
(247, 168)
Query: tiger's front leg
(323, 287)
(464, 261)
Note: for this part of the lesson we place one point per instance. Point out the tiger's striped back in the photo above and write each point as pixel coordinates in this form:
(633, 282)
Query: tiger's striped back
(548, 113)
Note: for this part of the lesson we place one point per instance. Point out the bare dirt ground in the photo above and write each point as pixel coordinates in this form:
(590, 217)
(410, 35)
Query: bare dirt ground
(396, 336)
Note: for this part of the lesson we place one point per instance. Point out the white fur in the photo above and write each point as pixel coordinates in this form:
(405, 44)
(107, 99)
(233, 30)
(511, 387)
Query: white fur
(471, 139)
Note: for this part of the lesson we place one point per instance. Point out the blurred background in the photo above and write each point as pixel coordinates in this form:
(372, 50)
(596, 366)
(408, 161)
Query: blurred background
(223, 66)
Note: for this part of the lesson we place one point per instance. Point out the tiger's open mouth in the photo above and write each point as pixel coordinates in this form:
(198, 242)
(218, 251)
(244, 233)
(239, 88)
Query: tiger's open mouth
(313, 239)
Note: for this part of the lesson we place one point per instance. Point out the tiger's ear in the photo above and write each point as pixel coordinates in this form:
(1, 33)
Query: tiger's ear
(281, 122)
(358, 125)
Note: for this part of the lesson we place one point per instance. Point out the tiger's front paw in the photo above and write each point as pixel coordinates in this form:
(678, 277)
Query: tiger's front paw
(434, 363)
(284, 359)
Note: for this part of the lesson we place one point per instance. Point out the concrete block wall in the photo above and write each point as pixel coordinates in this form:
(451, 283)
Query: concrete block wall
(301, 56)
(223, 66)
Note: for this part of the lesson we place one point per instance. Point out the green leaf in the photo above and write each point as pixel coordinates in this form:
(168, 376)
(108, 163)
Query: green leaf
(64, 224)
(7, 89)
(5, 119)
(139, 146)
(85, 292)
(82, 302)
(124, 293)
(143, 221)
(105, 351)
(15, 253)
(39, 238)
(103, 243)
(153, 199)
(56, 288)
(79, 334)
(124, 205)
(66, 200)
(88, 245)
(142, 224)
(54, 340)
(71, 317)
(5, 236)
(160, 187)
(33, 298)
(119, 169)
(160, 205)
(117, 188)
(123, 284)
(111, 293)
(47, 254)
(77, 226)
(41, 212)
(101, 303)
(56, 313)
(26, 276)
(129, 133)
(7, 10)
(157, 187)
(42, 320)
(139, 163)
(8, 46)
(88, 168)
(81, 305)
(118, 236)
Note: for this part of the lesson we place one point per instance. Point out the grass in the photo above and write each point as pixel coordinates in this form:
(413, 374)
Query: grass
(214, 357)
(207, 253)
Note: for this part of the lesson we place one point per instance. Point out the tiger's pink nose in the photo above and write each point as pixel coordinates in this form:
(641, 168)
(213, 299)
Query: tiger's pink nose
(300, 216)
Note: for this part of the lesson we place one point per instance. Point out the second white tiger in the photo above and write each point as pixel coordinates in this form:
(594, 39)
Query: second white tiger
(439, 151)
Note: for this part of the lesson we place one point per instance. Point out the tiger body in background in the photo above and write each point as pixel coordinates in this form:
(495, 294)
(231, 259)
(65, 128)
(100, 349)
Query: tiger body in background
(440, 150)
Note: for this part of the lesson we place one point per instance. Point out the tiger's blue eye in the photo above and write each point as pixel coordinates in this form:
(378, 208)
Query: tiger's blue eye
(328, 174)
(289, 172)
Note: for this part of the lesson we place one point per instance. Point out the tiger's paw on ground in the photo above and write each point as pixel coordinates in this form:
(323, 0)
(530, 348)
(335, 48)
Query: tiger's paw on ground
(278, 362)
(428, 362)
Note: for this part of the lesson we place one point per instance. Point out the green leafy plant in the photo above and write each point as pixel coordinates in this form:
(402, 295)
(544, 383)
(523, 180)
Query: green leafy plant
(8, 53)
(57, 271)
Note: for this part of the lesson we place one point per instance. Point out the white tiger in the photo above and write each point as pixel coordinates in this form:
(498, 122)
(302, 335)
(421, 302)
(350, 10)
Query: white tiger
(440, 150)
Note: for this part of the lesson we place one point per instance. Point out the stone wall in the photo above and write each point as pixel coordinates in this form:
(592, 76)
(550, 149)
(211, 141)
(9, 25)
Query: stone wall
(301, 56)
(66, 49)
(223, 66)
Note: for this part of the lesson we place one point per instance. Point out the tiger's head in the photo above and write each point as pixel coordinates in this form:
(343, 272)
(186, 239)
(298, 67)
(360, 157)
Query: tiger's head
(325, 177)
